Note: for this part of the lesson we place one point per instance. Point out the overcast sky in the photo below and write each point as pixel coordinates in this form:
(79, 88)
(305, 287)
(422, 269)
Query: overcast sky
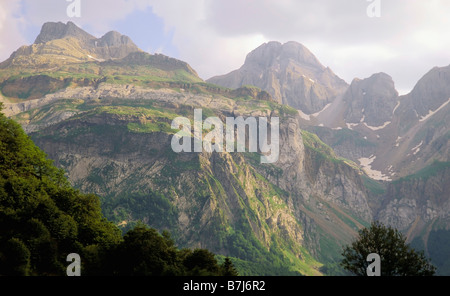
(214, 36)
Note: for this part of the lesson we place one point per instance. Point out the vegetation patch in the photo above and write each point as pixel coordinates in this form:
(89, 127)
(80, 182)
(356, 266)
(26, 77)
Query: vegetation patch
(427, 172)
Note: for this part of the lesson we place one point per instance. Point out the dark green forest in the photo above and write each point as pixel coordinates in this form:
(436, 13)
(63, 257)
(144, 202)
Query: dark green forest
(43, 219)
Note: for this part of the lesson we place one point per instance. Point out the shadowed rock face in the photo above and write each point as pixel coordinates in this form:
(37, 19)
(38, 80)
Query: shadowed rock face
(430, 93)
(290, 73)
(414, 203)
(371, 100)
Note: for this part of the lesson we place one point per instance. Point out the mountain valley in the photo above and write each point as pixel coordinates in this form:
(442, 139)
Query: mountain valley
(349, 154)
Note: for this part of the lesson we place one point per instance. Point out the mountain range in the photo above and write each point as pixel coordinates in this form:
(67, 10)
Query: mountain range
(101, 108)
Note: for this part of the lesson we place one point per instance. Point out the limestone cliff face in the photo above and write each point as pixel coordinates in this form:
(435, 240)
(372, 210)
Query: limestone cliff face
(214, 195)
(308, 194)
(415, 203)
(310, 173)
(290, 73)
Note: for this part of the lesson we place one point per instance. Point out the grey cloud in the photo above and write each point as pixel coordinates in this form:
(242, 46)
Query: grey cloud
(341, 24)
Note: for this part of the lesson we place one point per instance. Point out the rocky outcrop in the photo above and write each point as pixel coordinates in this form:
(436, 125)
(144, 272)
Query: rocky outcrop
(61, 44)
(252, 92)
(431, 93)
(391, 136)
(58, 30)
(112, 45)
(371, 100)
(415, 202)
(158, 61)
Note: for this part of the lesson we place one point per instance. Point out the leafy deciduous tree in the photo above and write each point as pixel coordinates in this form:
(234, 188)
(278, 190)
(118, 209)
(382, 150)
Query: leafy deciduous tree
(397, 258)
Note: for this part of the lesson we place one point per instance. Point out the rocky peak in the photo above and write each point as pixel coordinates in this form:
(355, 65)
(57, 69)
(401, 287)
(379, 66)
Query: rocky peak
(113, 45)
(263, 55)
(371, 100)
(52, 31)
(380, 84)
(114, 38)
(430, 95)
(71, 42)
(290, 73)
(299, 53)
(431, 91)
(274, 53)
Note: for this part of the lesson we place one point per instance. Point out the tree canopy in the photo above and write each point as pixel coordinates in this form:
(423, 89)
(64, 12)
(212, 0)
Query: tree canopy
(43, 219)
(397, 257)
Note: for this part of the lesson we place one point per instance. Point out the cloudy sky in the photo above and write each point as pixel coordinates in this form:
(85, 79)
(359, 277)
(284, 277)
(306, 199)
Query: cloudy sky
(406, 39)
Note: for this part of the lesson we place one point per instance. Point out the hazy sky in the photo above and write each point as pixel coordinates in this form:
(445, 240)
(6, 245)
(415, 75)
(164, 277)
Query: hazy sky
(214, 36)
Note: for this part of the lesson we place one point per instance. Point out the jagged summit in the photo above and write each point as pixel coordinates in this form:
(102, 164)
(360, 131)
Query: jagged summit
(371, 100)
(58, 44)
(114, 38)
(58, 30)
(273, 51)
(64, 55)
(290, 73)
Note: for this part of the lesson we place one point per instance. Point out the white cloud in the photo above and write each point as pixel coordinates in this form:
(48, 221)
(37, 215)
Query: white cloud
(198, 43)
(97, 14)
(10, 27)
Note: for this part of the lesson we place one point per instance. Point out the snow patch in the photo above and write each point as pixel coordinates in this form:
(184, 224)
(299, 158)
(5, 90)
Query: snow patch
(351, 125)
(324, 108)
(303, 115)
(376, 128)
(308, 117)
(416, 149)
(366, 163)
(396, 107)
(431, 113)
(98, 60)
